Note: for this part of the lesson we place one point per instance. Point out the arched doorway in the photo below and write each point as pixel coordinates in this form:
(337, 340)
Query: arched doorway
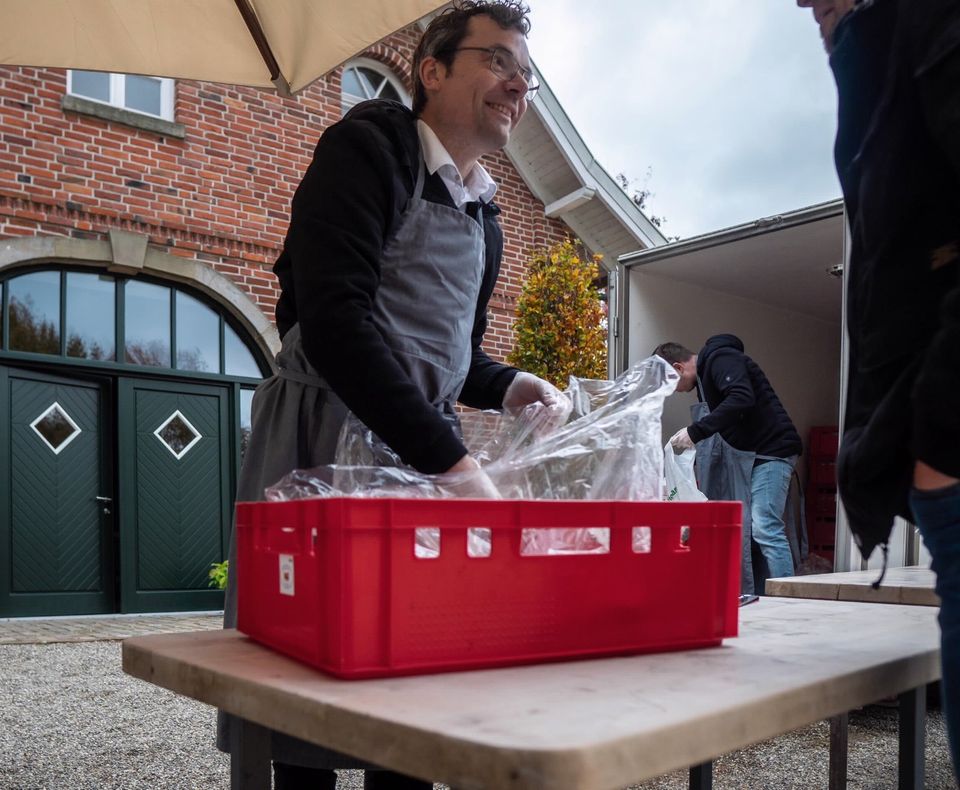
(124, 404)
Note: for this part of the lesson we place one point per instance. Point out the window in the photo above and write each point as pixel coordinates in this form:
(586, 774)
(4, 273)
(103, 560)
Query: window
(145, 95)
(246, 419)
(364, 79)
(96, 317)
(33, 313)
(147, 326)
(91, 316)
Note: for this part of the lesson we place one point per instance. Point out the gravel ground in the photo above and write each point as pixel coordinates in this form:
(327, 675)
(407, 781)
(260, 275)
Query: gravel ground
(69, 718)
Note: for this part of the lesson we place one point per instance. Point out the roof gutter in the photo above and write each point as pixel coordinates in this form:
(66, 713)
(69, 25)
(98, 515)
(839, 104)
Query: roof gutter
(737, 233)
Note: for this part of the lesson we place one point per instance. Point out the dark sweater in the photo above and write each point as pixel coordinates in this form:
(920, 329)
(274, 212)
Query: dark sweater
(344, 212)
(897, 67)
(744, 409)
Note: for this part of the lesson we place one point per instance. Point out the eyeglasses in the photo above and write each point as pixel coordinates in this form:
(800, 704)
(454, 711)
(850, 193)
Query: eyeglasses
(506, 67)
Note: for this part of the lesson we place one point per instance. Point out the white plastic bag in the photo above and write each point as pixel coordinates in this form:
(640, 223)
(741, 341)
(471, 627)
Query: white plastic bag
(679, 475)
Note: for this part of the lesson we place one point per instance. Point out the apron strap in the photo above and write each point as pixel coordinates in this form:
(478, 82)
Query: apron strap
(301, 377)
(421, 177)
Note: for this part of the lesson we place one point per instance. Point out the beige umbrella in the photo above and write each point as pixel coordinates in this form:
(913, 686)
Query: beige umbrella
(285, 44)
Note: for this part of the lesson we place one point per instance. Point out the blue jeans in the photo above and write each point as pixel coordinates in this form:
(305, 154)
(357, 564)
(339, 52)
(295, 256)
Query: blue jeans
(769, 485)
(937, 514)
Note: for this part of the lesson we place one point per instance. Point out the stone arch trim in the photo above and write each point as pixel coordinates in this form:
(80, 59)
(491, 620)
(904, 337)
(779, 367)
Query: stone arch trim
(128, 253)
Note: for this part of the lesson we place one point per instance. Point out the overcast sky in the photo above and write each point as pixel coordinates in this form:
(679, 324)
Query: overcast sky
(731, 106)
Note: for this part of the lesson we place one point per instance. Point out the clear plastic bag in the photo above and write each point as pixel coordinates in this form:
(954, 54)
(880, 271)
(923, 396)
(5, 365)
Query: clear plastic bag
(608, 449)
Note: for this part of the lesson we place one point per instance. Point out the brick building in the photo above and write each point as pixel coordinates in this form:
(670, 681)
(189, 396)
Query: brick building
(139, 222)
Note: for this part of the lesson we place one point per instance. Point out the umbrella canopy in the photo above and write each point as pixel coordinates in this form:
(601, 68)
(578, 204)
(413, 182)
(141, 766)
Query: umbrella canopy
(285, 44)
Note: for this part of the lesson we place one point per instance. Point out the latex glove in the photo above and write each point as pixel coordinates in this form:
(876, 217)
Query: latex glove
(468, 480)
(552, 406)
(681, 441)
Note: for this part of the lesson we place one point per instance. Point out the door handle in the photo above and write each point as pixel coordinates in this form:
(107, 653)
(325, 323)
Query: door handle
(103, 499)
(106, 502)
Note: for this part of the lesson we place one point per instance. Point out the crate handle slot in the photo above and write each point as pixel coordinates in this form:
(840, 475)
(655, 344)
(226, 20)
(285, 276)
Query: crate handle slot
(641, 539)
(479, 541)
(564, 541)
(426, 543)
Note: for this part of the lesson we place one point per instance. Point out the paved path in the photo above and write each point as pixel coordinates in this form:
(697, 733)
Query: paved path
(49, 630)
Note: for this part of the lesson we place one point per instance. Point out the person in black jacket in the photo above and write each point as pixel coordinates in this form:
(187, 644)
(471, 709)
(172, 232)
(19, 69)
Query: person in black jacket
(897, 152)
(391, 256)
(747, 413)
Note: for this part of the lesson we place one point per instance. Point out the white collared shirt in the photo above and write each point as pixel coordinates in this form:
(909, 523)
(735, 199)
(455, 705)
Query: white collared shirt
(478, 184)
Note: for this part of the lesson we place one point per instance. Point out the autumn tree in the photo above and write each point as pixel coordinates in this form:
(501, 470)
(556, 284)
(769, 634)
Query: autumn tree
(560, 328)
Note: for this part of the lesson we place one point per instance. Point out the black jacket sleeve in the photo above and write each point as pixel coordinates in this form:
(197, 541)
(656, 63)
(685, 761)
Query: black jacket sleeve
(935, 44)
(727, 370)
(341, 217)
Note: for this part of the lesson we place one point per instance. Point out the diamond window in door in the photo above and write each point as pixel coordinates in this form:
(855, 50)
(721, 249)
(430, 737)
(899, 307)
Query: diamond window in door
(177, 434)
(56, 428)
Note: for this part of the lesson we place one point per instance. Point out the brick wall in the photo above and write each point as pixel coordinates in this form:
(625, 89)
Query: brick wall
(222, 194)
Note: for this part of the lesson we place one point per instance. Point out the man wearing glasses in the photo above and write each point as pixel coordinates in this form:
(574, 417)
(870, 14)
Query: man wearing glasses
(392, 253)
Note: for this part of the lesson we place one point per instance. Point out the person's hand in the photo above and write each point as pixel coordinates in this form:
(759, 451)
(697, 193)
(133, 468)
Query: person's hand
(468, 480)
(527, 389)
(681, 441)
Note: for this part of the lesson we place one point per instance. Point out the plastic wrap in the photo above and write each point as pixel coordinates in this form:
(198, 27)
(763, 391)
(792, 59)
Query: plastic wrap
(609, 448)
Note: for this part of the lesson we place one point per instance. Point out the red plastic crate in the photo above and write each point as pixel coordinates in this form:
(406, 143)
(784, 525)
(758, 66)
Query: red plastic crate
(822, 531)
(823, 473)
(336, 583)
(823, 442)
(821, 502)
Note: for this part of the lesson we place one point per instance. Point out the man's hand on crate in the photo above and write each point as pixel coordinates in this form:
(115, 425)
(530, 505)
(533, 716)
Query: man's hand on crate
(468, 480)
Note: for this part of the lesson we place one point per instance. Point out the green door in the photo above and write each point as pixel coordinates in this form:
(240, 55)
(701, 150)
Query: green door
(174, 493)
(55, 536)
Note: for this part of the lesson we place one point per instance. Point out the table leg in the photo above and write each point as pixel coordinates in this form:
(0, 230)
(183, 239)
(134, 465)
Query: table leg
(249, 756)
(701, 776)
(913, 710)
(838, 751)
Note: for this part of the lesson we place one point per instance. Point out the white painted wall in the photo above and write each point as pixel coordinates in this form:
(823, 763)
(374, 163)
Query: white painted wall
(799, 354)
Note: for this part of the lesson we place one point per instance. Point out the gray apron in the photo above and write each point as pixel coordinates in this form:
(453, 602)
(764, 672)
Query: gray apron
(724, 473)
(424, 307)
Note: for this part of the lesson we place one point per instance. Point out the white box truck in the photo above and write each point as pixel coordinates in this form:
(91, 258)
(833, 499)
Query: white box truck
(777, 283)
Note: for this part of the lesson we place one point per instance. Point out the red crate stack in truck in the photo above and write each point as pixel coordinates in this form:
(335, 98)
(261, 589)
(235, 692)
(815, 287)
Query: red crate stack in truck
(821, 494)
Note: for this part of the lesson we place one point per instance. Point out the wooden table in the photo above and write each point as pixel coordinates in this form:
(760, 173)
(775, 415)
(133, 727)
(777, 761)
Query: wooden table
(910, 585)
(913, 585)
(579, 724)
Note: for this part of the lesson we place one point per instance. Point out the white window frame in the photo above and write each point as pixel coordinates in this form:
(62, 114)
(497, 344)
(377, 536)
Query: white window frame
(118, 84)
(189, 445)
(382, 70)
(63, 445)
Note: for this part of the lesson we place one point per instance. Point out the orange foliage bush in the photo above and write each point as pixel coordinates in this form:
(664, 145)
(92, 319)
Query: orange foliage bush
(560, 328)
